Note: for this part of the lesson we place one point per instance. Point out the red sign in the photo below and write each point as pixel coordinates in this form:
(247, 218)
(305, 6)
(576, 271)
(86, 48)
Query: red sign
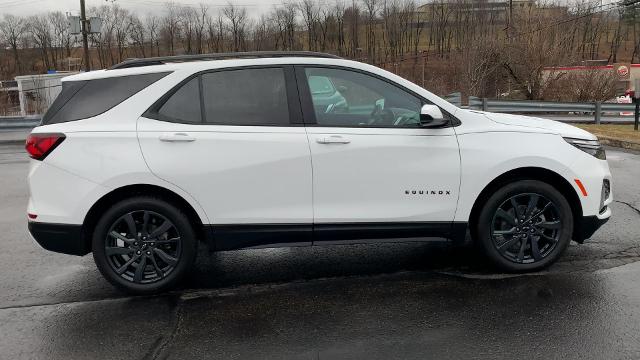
(623, 72)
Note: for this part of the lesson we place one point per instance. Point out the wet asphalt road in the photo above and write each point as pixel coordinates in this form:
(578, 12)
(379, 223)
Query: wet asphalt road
(405, 301)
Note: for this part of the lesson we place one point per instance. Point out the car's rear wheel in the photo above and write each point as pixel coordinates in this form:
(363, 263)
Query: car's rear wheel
(144, 245)
(525, 226)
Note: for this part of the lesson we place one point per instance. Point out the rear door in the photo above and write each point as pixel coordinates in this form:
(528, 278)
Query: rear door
(376, 171)
(233, 139)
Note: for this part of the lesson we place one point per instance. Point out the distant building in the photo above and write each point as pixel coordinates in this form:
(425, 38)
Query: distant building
(497, 11)
(625, 73)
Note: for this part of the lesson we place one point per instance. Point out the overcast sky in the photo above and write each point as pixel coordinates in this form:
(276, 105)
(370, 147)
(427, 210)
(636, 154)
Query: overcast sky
(255, 7)
(30, 7)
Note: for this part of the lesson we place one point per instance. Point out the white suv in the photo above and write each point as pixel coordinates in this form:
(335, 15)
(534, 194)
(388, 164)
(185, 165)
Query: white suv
(141, 162)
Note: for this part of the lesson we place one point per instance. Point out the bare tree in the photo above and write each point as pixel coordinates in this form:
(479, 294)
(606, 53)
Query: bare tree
(237, 18)
(121, 27)
(12, 29)
(138, 34)
(352, 14)
(465, 45)
(171, 27)
(309, 11)
(339, 11)
(371, 11)
(152, 26)
(201, 24)
(538, 45)
(284, 18)
(41, 35)
(216, 33)
(61, 37)
(187, 19)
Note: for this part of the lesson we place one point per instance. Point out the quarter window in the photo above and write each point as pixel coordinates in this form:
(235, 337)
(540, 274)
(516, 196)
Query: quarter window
(84, 99)
(245, 97)
(184, 104)
(352, 99)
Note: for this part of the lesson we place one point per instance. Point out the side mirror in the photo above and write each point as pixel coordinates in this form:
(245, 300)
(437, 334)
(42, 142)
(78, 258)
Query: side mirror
(431, 117)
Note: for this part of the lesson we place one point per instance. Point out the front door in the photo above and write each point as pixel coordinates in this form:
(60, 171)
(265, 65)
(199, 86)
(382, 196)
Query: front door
(374, 166)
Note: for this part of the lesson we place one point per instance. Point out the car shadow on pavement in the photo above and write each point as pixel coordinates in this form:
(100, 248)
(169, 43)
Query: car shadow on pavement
(278, 265)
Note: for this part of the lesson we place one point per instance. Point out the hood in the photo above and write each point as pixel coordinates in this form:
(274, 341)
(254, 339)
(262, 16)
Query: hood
(546, 125)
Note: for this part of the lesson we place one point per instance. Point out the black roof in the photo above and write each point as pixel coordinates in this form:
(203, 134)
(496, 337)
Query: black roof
(136, 62)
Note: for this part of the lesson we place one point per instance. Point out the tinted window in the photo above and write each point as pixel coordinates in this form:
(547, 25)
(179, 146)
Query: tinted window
(69, 89)
(184, 104)
(245, 97)
(93, 97)
(320, 85)
(353, 99)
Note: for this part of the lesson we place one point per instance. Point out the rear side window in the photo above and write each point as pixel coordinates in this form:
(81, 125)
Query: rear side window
(245, 97)
(184, 104)
(85, 99)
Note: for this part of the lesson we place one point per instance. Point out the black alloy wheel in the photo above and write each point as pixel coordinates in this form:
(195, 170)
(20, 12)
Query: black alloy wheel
(524, 226)
(144, 245)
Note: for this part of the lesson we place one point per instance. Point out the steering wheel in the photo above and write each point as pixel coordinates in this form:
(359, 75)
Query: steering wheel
(406, 119)
(381, 116)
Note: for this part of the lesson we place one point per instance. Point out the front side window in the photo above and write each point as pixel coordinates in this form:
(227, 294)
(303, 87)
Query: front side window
(245, 97)
(353, 99)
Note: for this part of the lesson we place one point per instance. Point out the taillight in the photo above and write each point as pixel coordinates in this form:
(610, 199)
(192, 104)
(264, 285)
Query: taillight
(40, 145)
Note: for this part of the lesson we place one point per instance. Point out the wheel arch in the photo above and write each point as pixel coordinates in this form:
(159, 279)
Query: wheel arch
(527, 173)
(124, 192)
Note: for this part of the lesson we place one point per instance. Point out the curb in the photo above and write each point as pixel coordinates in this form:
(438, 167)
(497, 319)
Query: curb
(609, 141)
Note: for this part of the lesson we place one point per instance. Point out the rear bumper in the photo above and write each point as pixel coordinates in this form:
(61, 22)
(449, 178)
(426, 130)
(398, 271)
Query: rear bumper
(587, 226)
(61, 238)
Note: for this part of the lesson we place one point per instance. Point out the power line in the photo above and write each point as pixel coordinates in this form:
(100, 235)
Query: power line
(18, 3)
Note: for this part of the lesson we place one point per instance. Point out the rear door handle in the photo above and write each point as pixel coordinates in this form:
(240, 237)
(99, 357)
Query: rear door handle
(177, 137)
(333, 139)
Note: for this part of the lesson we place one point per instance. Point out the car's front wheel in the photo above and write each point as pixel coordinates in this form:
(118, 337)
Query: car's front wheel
(144, 245)
(525, 226)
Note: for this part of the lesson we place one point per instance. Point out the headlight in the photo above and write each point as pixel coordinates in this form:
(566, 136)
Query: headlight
(592, 147)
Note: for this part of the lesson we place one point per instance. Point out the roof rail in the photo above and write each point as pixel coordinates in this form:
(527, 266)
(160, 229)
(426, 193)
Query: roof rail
(136, 62)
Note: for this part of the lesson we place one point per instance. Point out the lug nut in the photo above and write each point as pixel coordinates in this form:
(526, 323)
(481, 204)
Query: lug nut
(148, 252)
(153, 244)
(138, 252)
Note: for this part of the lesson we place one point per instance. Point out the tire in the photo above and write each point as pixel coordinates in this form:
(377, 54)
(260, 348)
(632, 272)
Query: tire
(164, 244)
(547, 227)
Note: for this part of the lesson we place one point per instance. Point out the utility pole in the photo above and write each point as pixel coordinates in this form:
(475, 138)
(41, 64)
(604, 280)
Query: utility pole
(84, 26)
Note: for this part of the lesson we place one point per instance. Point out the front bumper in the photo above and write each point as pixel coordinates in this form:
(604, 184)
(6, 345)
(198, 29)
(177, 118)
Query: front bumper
(61, 238)
(587, 226)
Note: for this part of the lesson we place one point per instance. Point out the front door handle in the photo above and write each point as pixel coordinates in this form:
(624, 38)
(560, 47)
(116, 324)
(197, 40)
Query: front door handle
(333, 139)
(177, 137)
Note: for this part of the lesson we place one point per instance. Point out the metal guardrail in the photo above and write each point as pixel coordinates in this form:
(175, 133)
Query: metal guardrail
(537, 107)
(454, 98)
(19, 122)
